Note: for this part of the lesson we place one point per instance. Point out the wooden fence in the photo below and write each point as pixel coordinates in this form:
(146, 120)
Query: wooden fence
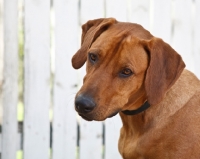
(51, 33)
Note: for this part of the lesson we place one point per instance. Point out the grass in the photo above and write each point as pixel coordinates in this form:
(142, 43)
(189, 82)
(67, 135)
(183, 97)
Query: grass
(19, 154)
(20, 112)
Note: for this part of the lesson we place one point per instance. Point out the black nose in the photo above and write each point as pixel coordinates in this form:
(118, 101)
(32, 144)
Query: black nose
(84, 104)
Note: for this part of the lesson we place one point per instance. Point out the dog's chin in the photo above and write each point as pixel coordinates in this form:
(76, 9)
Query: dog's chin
(91, 118)
(88, 118)
(113, 114)
(85, 117)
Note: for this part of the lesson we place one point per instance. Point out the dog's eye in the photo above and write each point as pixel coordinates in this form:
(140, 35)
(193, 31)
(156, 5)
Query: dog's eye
(126, 72)
(92, 57)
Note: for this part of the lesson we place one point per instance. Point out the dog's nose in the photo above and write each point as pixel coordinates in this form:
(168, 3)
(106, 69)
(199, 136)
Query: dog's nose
(84, 104)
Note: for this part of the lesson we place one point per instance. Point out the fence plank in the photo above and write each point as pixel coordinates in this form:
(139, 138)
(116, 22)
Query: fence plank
(18, 142)
(182, 25)
(197, 38)
(162, 28)
(91, 132)
(116, 9)
(37, 79)
(91, 9)
(140, 13)
(64, 118)
(112, 132)
(10, 85)
(1, 59)
(90, 140)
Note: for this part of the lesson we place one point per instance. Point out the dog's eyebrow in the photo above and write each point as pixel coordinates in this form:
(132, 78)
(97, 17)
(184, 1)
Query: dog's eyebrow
(95, 51)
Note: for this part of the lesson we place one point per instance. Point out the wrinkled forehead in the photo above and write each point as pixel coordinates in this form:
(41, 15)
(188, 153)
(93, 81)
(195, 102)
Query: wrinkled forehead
(120, 46)
(108, 42)
(116, 34)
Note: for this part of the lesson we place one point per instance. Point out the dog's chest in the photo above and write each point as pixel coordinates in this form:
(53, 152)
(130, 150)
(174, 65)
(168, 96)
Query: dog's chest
(128, 145)
(134, 146)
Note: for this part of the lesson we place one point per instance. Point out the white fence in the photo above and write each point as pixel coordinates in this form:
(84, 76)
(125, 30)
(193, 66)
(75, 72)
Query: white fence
(51, 36)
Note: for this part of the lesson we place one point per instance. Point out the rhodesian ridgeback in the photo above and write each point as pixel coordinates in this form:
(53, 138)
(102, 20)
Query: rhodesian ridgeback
(139, 76)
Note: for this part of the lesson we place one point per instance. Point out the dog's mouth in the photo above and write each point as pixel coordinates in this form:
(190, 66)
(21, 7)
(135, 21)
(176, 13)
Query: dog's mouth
(90, 118)
(85, 117)
(113, 114)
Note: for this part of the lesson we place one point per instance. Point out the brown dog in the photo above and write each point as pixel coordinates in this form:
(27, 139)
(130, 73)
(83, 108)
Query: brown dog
(142, 78)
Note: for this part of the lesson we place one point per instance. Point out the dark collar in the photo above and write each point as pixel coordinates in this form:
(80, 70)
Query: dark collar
(145, 106)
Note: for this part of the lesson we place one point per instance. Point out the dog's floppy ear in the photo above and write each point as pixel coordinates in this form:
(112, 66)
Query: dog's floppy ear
(90, 31)
(165, 67)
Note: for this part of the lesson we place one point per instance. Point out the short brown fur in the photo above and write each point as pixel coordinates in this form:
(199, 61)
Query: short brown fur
(170, 128)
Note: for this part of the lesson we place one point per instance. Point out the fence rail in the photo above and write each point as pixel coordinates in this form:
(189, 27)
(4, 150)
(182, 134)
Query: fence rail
(50, 31)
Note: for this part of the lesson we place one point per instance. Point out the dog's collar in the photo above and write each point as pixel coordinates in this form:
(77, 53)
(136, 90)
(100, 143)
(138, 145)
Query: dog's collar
(145, 106)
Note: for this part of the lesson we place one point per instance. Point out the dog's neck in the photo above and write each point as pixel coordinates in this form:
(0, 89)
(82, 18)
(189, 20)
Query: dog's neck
(137, 129)
(142, 108)
(133, 123)
(155, 113)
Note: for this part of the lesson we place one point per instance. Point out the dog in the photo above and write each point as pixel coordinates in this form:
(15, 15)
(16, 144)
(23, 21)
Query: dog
(139, 76)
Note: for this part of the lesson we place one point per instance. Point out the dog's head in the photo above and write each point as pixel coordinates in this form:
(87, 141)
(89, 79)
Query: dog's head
(125, 66)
